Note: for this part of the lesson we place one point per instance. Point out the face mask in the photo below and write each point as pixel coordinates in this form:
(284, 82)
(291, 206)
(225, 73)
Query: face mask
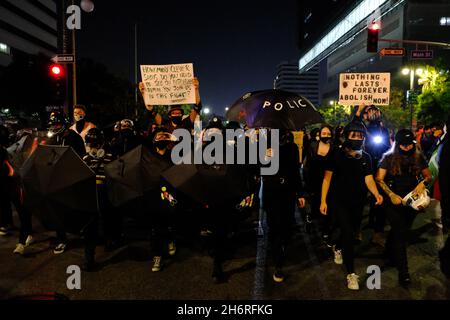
(78, 117)
(127, 133)
(80, 125)
(162, 144)
(354, 145)
(325, 139)
(177, 120)
(409, 152)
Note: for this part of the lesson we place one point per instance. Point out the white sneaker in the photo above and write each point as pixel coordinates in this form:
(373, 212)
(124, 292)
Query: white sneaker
(29, 241)
(337, 256)
(60, 248)
(172, 248)
(352, 282)
(20, 249)
(156, 264)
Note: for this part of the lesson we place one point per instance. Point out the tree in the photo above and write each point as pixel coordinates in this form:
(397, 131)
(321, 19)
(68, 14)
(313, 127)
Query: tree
(335, 115)
(395, 116)
(434, 100)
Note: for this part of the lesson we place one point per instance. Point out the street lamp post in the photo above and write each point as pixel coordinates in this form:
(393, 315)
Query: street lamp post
(412, 80)
(333, 103)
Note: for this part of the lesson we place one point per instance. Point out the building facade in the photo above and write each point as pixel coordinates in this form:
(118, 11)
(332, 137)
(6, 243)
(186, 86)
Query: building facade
(28, 27)
(306, 84)
(340, 45)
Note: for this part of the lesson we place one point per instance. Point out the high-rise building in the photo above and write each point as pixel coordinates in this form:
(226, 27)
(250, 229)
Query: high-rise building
(28, 27)
(339, 45)
(306, 84)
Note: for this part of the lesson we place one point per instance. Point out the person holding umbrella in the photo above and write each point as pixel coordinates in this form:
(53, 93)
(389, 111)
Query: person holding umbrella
(59, 134)
(97, 157)
(399, 174)
(349, 174)
(280, 194)
(125, 139)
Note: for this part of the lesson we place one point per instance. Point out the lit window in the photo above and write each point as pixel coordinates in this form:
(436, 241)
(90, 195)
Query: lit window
(4, 48)
(445, 21)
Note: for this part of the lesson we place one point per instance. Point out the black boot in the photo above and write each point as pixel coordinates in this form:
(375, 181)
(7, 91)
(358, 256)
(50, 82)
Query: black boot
(218, 275)
(404, 279)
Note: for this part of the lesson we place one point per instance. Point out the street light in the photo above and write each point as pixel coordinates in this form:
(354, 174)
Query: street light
(226, 109)
(411, 72)
(333, 103)
(206, 111)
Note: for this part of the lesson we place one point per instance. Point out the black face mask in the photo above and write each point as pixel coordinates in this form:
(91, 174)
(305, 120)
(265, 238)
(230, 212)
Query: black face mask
(80, 125)
(127, 133)
(177, 120)
(325, 139)
(354, 145)
(407, 153)
(162, 144)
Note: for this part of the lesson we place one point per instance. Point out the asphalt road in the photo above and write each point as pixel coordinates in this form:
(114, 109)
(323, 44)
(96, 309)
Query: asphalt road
(311, 273)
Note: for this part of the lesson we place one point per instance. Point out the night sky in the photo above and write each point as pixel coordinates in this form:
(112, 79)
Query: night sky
(235, 45)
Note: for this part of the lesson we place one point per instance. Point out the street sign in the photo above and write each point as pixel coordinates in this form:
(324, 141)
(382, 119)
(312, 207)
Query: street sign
(421, 54)
(64, 58)
(393, 52)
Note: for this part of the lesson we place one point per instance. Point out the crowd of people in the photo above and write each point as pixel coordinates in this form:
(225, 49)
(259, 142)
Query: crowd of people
(343, 170)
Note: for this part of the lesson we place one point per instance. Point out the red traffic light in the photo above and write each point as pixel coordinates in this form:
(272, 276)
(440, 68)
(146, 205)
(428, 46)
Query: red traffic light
(56, 70)
(375, 26)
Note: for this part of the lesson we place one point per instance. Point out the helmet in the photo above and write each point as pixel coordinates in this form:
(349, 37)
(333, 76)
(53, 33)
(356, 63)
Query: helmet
(355, 126)
(417, 202)
(404, 137)
(95, 137)
(55, 119)
(215, 122)
(173, 108)
(233, 125)
(126, 124)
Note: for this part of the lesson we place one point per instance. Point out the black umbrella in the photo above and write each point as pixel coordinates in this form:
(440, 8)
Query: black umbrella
(275, 109)
(211, 185)
(20, 151)
(134, 175)
(59, 188)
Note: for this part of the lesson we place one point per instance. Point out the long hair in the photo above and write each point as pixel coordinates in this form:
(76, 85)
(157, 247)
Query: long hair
(396, 161)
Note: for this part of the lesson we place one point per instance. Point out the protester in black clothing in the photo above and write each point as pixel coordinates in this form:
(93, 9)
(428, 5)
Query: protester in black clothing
(350, 174)
(6, 219)
(377, 143)
(402, 170)
(315, 163)
(59, 134)
(162, 203)
(280, 194)
(97, 157)
(125, 138)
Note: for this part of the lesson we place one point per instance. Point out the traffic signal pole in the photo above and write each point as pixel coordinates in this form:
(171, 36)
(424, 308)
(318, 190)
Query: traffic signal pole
(431, 43)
